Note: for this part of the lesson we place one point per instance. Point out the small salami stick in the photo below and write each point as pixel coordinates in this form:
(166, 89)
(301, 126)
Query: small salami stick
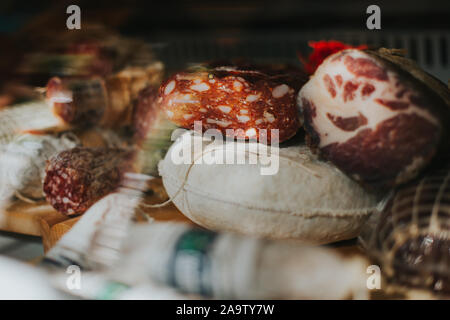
(76, 178)
(79, 102)
(231, 97)
(105, 101)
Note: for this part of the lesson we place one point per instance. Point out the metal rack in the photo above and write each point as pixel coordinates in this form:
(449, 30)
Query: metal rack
(431, 49)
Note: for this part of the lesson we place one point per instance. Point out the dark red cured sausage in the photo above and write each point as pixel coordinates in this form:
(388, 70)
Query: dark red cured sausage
(76, 178)
(226, 97)
(107, 102)
(80, 102)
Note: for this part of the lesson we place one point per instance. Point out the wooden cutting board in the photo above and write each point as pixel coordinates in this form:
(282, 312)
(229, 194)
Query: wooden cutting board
(27, 218)
(52, 229)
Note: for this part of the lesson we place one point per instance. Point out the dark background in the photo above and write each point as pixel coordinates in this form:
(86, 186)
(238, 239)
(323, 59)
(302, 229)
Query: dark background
(184, 32)
(167, 17)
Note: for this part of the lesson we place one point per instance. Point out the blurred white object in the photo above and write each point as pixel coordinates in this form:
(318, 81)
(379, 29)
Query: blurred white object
(22, 164)
(96, 285)
(230, 266)
(95, 241)
(19, 280)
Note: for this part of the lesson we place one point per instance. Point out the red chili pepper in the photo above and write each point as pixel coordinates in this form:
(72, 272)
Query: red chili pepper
(321, 50)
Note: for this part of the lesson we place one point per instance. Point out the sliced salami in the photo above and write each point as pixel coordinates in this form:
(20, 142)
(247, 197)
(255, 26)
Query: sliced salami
(249, 100)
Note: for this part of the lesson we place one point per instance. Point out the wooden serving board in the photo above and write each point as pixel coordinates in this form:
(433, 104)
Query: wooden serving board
(52, 230)
(27, 218)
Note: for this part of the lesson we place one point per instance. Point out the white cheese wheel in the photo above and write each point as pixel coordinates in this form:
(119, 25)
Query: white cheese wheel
(306, 199)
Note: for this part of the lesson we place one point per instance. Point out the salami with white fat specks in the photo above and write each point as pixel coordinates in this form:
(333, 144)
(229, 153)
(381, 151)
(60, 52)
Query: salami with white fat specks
(376, 116)
(248, 99)
(75, 179)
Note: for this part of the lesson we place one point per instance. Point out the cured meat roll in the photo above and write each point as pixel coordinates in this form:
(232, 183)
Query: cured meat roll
(246, 99)
(283, 193)
(375, 115)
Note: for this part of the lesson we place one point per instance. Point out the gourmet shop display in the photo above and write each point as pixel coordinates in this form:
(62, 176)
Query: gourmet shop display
(161, 162)
(375, 115)
(283, 193)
